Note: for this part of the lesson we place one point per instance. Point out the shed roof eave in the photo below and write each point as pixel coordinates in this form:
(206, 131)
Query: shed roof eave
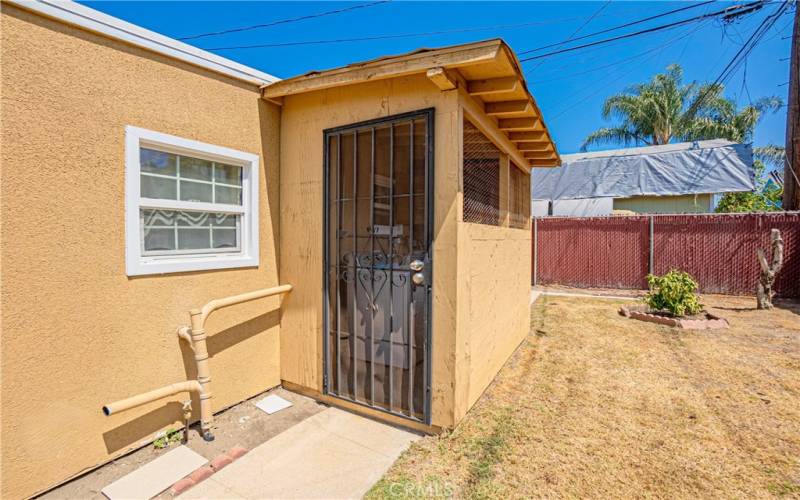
(382, 68)
(486, 73)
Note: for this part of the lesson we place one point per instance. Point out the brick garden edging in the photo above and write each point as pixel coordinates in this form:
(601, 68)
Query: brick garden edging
(711, 322)
(207, 471)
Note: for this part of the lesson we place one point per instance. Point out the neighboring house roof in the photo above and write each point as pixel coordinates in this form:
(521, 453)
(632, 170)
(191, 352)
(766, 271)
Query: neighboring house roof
(715, 166)
(91, 20)
(487, 71)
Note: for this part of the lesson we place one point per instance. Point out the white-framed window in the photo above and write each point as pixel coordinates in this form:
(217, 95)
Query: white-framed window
(189, 206)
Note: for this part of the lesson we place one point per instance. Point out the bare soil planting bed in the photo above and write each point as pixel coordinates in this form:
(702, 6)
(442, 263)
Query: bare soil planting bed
(701, 321)
(595, 405)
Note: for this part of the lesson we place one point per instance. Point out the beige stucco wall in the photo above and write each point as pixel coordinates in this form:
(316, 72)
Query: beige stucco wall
(681, 204)
(304, 118)
(76, 332)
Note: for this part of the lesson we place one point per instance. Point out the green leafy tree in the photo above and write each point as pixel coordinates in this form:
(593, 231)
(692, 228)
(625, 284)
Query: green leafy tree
(766, 197)
(665, 109)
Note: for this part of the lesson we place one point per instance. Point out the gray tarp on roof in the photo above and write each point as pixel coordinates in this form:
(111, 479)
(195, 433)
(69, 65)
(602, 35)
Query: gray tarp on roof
(716, 166)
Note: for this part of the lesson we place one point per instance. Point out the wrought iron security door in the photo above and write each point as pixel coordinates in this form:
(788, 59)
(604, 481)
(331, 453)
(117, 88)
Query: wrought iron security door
(378, 213)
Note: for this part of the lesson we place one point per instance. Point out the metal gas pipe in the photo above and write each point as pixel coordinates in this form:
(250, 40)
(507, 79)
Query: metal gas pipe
(195, 336)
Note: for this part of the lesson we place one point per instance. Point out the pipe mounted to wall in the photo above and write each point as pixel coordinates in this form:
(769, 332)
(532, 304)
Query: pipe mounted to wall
(146, 397)
(195, 336)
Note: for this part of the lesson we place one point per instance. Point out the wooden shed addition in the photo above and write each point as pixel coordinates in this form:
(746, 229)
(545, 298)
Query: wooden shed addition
(415, 171)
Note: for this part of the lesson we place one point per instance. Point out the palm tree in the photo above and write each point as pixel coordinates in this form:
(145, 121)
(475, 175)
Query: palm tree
(666, 109)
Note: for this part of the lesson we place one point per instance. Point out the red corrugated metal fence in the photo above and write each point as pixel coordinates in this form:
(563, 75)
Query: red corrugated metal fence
(719, 250)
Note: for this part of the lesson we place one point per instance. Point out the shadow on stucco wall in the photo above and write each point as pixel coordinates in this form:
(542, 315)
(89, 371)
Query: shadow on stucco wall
(142, 427)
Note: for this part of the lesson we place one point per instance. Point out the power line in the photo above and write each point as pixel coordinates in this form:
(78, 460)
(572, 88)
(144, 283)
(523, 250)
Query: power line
(626, 25)
(780, 30)
(740, 56)
(586, 23)
(285, 21)
(726, 12)
(621, 61)
(388, 36)
(600, 88)
(553, 71)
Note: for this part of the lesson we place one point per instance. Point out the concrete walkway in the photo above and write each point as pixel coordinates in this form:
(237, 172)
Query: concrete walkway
(333, 454)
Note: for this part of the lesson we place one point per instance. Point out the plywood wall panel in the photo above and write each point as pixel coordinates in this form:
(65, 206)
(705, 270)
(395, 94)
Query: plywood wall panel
(304, 118)
(498, 296)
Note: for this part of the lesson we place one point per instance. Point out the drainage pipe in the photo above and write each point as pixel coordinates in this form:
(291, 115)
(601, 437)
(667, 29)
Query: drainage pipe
(197, 336)
(238, 299)
(146, 397)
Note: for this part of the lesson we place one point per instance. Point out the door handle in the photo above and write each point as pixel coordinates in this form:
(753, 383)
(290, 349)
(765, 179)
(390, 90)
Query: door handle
(416, 265)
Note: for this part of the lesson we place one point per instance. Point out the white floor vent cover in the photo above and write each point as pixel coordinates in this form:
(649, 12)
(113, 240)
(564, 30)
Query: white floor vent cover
(272, 404)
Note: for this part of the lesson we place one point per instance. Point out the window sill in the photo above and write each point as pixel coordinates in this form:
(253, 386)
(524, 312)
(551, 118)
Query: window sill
(168, 265)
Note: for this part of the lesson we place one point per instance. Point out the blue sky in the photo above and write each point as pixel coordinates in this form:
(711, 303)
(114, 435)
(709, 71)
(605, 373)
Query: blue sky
(569, 88)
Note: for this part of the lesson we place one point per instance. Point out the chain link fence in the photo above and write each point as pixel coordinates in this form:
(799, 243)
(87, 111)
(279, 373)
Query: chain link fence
(718, 250)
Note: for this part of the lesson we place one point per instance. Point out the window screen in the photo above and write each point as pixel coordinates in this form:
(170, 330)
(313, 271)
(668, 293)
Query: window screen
(169, 176)
(481, 178)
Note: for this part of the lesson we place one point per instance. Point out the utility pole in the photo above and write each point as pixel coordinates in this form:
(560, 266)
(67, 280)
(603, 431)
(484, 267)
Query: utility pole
(791, 176)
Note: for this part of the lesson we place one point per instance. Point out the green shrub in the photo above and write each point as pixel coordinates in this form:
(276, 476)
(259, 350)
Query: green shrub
(674, 292)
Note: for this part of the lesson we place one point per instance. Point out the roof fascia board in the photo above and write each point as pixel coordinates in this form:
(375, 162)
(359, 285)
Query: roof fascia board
(384, 68)
(91, 20)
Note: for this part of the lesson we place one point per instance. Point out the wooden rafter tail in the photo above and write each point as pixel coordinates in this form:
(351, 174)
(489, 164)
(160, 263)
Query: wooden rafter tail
(543, 163)
(529, 137)
(535, 146)
(492, 86)
(442, 78)
(503, 108)
(539, 156)
(520, 124)
(275, 100)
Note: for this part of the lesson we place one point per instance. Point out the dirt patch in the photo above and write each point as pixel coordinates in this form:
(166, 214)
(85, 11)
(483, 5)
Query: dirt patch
(241, 425)
(701, 321)
(595, 405)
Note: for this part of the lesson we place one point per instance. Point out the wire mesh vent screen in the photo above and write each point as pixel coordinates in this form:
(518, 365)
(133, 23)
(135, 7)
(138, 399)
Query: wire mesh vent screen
(481, 178)
(519, 190)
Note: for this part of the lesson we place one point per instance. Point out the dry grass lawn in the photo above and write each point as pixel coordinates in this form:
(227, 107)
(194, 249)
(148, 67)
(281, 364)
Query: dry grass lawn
(596, 405)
